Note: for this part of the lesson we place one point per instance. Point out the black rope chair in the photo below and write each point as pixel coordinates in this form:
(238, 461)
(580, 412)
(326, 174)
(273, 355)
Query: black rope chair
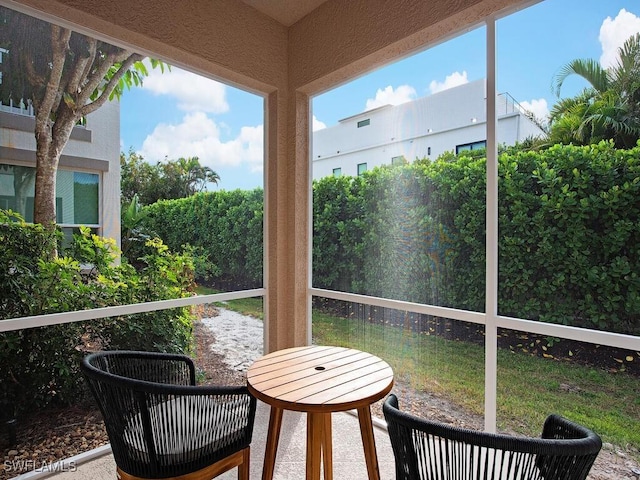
(429, 450)
(160, 424)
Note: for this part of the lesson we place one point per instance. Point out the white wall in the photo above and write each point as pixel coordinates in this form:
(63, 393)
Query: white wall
(106, 127)
(440, 121)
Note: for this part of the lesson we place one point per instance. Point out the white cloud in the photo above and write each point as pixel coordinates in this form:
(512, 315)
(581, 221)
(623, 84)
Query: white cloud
(614, 32)
(317, 124)
(450, 81)
(389, 96)
(251, 140)
(538, 107)
(192, 92)
(199, 136)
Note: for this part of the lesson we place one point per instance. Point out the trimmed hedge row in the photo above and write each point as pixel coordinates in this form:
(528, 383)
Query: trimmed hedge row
(569, 236)
(223, 228)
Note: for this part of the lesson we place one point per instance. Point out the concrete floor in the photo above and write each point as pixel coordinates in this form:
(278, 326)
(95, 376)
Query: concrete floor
(348, 455)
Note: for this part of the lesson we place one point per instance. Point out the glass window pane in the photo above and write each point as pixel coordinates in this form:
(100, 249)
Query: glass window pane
(593, 385)
(85, 198)
(16, 187)
(414, 232)
(436, 361)
(568, 211)
(568, 224)
(77, 201)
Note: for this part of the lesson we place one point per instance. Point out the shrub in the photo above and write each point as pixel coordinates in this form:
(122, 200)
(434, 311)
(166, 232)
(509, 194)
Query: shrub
(224, 229)
(42, 363)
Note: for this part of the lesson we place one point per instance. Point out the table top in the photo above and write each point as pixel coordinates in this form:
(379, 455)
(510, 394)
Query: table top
(319, 379)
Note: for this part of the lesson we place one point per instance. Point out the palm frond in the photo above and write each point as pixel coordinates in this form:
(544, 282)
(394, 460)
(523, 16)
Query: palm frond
(588, 69)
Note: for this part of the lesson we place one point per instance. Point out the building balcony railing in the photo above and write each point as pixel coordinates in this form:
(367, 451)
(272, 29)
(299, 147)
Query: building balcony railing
(26, 109)
(19, 108)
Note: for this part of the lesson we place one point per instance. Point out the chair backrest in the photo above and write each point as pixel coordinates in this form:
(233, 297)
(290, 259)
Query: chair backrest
(429, 450)
(159, 423)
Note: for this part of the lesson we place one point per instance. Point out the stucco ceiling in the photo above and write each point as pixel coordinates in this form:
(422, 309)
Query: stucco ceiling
(286, 12)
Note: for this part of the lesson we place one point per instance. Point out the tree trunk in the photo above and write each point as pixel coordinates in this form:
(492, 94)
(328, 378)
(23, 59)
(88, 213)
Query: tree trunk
(45, 189)
(50, 141)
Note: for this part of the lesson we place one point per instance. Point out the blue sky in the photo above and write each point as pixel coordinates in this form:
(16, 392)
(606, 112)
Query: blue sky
(179, 114)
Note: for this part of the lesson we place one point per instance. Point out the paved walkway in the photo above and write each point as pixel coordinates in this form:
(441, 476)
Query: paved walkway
(348, 454)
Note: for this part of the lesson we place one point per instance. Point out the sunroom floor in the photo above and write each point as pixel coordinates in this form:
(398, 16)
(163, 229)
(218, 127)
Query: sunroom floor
(348, 454)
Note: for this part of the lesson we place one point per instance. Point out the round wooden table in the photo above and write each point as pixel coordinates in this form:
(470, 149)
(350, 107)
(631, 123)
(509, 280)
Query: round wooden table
(320, 380)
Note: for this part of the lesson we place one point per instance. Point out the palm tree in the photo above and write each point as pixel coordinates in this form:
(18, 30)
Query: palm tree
(196, 176)
(608, 109)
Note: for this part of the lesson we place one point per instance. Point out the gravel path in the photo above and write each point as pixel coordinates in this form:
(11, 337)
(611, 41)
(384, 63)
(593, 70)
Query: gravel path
(238, 338)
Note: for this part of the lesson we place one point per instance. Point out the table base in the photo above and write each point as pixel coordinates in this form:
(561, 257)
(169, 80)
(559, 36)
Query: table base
(320, 444)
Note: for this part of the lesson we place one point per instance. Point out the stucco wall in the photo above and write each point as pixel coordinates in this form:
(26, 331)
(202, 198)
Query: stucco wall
(100, 141)
(223, 39)
(345, 39)
(227, 38)
(423, 128)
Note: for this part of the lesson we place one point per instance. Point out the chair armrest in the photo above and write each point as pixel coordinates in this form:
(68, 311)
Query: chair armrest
(155, 367)
(557, 427)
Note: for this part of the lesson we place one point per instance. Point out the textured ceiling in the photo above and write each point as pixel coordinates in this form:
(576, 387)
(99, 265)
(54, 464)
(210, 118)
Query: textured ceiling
(286, 12)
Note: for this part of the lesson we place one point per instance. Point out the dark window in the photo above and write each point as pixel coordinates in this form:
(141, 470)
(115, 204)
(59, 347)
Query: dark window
(471, 146)
(77, 194)
(364, 123)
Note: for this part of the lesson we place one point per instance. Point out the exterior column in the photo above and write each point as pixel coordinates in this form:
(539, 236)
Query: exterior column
(287, 217)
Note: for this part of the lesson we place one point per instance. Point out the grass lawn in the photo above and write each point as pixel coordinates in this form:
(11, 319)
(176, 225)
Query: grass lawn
(246, 306)
(529, 387)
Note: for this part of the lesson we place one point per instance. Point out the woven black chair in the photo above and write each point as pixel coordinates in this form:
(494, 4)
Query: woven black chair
(160, 424)
(429, 450)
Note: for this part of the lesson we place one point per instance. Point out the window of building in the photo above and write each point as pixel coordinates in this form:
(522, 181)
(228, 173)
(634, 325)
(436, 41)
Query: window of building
(362, 167)
(364, 123)
(77, 195)
(337, 172)
(471, 146)
(2, 51)
(399, 160)
(428, 150)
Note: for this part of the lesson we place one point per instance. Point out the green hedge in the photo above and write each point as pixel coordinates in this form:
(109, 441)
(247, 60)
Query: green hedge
(569, 235)
(224, 228)
(40, 365)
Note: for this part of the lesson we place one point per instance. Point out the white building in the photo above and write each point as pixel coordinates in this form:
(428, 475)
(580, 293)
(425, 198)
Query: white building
(451, 120)
(88, 180)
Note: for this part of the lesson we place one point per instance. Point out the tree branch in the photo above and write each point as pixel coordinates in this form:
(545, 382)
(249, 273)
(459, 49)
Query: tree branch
(125, 64)
(33, 77)
(59, 44)
(82, 67)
